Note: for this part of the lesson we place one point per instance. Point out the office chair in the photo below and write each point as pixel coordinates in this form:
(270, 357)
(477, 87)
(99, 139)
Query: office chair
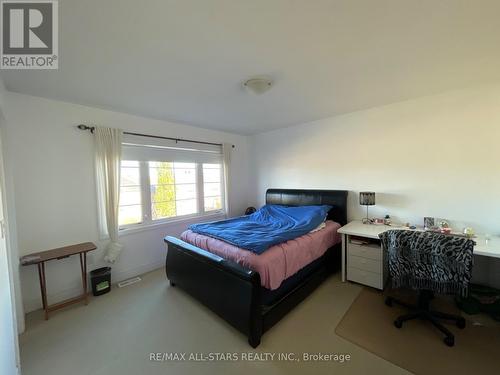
(431, 263)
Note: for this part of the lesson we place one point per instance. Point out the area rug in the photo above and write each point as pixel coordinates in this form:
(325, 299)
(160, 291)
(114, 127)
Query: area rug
(418, 347)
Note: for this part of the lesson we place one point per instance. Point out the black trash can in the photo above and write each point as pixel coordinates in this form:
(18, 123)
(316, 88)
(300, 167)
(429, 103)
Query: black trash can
(100, 279)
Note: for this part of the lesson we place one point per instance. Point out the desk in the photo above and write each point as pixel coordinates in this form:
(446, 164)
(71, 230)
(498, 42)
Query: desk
(364, 264)
(60, 253)
(490, 248)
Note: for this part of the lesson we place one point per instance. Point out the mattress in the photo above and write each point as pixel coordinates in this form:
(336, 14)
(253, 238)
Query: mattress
(280, 261)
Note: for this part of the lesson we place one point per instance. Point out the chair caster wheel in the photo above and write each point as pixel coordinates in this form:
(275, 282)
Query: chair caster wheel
(172, 283)
(398, 323)
(388, 301)
(449, 341)
(461, 323)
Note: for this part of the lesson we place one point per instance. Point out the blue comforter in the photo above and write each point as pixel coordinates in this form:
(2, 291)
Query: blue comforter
(271, 225)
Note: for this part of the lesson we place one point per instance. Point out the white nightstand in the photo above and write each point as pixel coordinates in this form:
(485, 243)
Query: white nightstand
(363, 263)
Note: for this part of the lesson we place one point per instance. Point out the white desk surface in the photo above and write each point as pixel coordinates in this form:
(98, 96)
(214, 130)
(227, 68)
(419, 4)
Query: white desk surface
(490, 248)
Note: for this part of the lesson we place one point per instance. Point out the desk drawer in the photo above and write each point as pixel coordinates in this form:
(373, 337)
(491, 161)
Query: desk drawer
(365, 277)
(364, 264)
(365, 251)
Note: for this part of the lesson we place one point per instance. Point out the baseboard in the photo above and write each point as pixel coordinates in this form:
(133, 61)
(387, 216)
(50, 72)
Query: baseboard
(36, 304)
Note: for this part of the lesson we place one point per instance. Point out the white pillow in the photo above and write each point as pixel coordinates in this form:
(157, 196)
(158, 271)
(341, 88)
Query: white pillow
(319, 227)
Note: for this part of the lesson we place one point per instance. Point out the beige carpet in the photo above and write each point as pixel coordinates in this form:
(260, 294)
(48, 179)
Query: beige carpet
(418, 346)
(116, 332)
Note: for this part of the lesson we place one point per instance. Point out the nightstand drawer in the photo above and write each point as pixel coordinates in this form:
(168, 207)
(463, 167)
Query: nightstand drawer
(365, 277)
(365, 251)
(364, 264)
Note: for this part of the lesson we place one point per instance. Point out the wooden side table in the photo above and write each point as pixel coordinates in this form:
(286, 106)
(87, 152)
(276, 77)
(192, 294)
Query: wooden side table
(60, 253)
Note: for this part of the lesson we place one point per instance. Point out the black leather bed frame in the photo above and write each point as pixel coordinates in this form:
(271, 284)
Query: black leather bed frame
(234, 292)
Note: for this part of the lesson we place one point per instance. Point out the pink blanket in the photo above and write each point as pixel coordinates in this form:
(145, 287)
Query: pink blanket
(278, 262)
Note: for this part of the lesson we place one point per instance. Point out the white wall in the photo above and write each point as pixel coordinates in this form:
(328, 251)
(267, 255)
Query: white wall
(55, 188)
(9, 349)
(11, 308)
(434, 156)
(8, 342)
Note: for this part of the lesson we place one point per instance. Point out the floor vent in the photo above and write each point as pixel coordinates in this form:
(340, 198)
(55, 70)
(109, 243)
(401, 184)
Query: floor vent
(129, 282)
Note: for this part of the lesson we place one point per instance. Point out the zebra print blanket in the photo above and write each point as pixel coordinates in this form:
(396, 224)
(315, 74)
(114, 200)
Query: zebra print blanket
(429, 260)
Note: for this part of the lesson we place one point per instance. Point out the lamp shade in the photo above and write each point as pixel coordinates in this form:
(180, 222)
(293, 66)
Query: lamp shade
(367, 198)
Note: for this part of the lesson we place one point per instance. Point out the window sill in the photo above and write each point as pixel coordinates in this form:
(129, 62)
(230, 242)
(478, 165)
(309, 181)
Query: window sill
(166, 224)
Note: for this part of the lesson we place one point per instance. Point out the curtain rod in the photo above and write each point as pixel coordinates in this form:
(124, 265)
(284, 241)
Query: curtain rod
(92, 128)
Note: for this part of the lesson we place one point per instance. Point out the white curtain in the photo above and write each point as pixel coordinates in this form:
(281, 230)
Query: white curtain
(108, 150)
(226, 155)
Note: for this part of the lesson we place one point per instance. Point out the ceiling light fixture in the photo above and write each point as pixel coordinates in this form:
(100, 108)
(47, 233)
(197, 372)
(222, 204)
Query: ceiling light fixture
(258, 85)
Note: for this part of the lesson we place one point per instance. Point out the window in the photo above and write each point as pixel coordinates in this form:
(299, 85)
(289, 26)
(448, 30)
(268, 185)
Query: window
(130, 194)
(212, 182)
(173, 189)
(158, 185)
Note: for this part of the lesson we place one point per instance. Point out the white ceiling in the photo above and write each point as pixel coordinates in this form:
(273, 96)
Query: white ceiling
(184, 60)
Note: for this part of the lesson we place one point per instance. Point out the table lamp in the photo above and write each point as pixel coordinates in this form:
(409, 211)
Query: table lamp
(367, 198)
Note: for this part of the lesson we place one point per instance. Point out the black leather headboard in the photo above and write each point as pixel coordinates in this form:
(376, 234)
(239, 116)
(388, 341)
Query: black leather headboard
(299, 197)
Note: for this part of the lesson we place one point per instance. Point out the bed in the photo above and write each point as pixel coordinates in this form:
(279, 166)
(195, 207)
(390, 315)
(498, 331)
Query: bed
(235, 292)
